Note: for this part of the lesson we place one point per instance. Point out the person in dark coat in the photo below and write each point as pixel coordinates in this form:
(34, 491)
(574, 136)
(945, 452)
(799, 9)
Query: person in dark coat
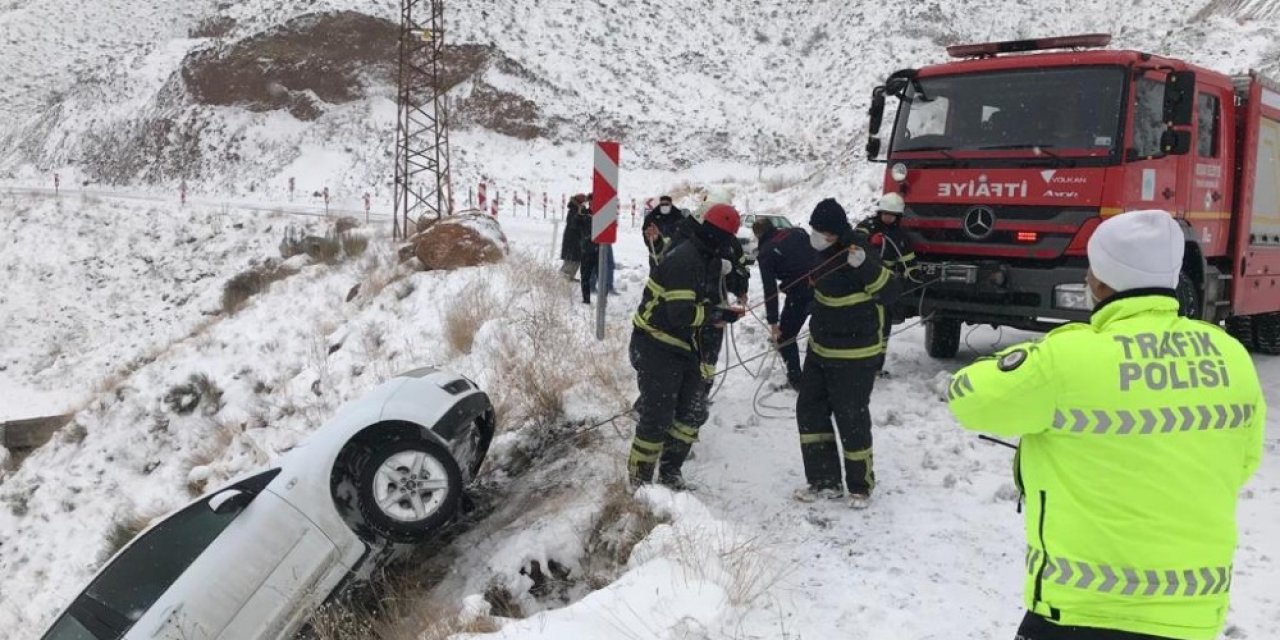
(659, 227)
(787, 257)
(571, 239)
(851, 289)
(884, 232)
(677, 301)
(590, 252)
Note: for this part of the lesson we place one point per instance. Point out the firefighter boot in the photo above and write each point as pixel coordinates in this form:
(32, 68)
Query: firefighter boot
(640, 473)
(674, 453)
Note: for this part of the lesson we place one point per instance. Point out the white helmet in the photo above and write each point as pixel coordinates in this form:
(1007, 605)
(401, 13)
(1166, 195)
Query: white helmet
(892, 203)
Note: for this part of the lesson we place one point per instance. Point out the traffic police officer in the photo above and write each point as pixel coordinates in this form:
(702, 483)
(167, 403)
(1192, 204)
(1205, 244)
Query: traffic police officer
(1138, 430)
(846, 349)
(680, 297)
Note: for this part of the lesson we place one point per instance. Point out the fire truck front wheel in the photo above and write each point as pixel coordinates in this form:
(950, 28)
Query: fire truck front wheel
(942, 337)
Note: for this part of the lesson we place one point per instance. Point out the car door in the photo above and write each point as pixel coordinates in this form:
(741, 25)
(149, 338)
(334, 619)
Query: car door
(254, 581)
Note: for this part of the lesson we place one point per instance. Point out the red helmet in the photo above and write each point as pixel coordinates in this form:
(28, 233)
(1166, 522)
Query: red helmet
(723, 217)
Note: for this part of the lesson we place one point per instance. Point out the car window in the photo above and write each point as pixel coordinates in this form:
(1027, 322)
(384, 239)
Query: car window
(1207, 127)
(124, 591)
(68, 628)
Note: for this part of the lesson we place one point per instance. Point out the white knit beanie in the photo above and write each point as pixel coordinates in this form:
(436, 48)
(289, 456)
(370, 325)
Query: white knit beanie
(1137, 250)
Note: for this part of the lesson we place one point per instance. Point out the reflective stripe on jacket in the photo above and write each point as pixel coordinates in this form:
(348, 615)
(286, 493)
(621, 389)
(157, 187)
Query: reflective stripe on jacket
(849, 302)
(677, 296)
(1138, 431)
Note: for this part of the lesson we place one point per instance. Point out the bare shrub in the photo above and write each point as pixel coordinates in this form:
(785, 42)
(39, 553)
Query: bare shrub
(547, 350)
(402, 610)
(464, 317)
(354, 243)
(198, 391)
(243, 286)
(124, 528)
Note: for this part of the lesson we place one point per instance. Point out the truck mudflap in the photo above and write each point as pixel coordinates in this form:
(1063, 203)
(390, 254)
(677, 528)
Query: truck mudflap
(992, 292)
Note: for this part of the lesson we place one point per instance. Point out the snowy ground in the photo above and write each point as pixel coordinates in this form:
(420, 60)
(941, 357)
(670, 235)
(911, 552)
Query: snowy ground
(936, 557)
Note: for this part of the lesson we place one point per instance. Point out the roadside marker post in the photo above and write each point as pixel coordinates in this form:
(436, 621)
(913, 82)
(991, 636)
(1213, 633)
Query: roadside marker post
(604, 218)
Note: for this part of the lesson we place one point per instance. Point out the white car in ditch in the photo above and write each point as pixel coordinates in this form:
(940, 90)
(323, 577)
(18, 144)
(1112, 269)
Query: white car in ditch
(255, 559)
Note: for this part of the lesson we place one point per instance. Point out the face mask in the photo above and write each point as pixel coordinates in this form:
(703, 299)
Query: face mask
(820, 242)
(1089, 299)
(666, 208)
(726, 267)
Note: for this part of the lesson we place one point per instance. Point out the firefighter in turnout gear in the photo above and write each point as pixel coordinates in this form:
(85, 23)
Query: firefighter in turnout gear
(680, 297)
(846, 347)
(786, 256)
(734, 283)
(1137, 430)
(885, 234)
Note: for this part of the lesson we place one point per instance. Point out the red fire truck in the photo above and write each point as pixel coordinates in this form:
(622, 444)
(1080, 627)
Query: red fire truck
(1010, 156)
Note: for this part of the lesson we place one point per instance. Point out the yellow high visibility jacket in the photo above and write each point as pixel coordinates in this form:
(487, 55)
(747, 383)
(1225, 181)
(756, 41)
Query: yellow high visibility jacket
(1138, 431)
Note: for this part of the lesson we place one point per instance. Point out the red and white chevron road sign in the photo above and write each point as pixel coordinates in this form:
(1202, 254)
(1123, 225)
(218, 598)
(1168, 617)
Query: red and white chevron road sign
(604, 194)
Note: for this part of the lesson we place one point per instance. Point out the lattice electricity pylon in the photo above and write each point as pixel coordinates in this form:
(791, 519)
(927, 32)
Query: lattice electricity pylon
(423, 186)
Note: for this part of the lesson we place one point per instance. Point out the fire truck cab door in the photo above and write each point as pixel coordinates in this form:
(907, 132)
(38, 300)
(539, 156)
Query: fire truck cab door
(1208, 185)
(1152, 180)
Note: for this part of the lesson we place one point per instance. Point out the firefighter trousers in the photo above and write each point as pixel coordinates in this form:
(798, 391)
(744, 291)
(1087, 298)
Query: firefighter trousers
(672, 407)
(710, 345)
(839, 389)
(1035, 627)
(795, 312)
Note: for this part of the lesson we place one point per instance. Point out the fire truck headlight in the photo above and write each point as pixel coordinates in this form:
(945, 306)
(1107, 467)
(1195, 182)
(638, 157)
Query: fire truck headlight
(898, 172)
(1071, 296)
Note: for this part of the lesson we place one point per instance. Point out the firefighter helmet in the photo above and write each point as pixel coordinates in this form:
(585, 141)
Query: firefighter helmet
(723, 217)
(892, 203)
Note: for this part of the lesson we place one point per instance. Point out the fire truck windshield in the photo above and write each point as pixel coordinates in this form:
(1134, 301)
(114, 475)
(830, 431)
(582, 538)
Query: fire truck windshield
(1075, 111)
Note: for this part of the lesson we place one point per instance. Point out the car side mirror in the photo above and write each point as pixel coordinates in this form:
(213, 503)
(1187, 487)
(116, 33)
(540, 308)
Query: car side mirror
(1175, 143)
(1179, 90)
(230, 501)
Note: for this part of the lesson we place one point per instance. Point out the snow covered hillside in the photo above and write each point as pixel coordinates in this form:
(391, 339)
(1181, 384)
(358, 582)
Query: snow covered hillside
(119, 92)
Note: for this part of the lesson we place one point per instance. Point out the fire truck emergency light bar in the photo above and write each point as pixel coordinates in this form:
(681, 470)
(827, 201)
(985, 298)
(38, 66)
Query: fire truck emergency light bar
(990, 49)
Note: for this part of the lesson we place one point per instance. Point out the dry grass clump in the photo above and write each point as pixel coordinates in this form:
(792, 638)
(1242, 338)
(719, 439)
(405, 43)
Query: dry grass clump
(464, 317)
(213, 446)
(402, 610)
(245, 285)
(124, 528)
(622, 523)
(199, 391)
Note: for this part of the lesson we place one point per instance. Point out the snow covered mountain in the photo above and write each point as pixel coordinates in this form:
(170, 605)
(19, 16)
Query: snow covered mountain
(238, 97)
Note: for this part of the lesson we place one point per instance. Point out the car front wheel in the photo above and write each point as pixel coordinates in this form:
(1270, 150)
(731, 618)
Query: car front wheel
(409, 489)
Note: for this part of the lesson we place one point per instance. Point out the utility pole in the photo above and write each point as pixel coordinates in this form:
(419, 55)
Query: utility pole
(423, 185)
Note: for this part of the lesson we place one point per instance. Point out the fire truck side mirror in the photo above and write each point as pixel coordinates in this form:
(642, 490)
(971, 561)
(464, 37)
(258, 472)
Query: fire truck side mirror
(876, 111)
(873, 148)
(1179, 94)
(1175, 143)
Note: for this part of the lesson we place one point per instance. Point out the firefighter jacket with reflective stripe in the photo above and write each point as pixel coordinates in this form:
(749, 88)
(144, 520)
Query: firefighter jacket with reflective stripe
(786, 256)
(849, 303)
(1138, 431)
(679, 296)
(892, 244)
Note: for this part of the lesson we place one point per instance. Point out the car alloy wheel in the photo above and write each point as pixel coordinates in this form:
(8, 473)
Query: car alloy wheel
(410, 486)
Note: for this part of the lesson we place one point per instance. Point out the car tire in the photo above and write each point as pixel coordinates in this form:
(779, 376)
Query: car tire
(942, 337)
(1189, 297)
(1241, 328)
(408, 489)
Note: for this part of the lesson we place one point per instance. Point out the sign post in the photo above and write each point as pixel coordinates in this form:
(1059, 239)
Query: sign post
(604, 218)
(482, 201)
